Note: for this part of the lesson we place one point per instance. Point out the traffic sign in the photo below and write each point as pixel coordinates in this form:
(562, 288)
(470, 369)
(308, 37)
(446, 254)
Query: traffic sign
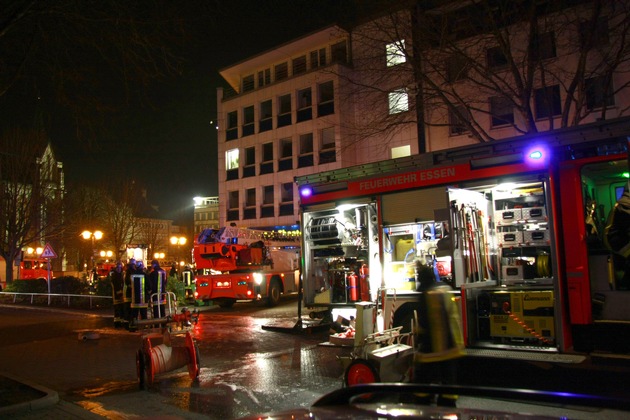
(48, 252)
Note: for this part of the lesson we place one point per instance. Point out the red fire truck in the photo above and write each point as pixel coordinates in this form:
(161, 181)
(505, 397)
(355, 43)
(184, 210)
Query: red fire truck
(515, 226)
(245, 264)
(33, 268)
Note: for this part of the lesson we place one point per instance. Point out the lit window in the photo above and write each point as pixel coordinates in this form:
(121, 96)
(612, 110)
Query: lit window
(401, 151)
(395, 53)
(231, 159)
(398, 101)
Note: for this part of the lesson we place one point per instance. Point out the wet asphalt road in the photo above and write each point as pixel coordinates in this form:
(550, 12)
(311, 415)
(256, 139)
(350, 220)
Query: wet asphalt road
(245, 367)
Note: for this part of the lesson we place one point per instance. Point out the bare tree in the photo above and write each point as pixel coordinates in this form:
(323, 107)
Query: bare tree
(474, 66)
(121, 208)
(152, 233)
(31, 194)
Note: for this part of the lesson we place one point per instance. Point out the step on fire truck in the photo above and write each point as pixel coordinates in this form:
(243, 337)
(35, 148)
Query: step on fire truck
(517, 227)
(234, 264)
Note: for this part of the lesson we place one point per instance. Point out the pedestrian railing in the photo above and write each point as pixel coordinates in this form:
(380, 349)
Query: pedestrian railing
(63, 296)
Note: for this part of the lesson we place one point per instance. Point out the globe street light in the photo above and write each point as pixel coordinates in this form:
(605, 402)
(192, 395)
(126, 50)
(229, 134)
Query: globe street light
(94, 236)
(178, 241)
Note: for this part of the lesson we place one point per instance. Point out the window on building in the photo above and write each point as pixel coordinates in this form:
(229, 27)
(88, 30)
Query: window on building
(267, 152)
(231, 131)
(268, 194)
(496, 58)
(547, 101)
(286, 192)
(398, 101)
(599, 94)
(401, 151)
(339, 52)
(456, 68)
(286, 199)
(249, 169)
(248, 83)
(457, 120)
(594, 34)
(231, 164)
(264, 77)
(231, 159)
(266, 121)
(395, 53)
(268, 201)
(250, 197)
(326, 99)
(233, 199)
(284, 110)
(306, 150)
(544, 46)
(266, 166)
(304, 98)
(299, 65)
(327, 151)
(286, 154)
(501, 111)
(248, 121)
(318, 58)
(232, 205)
(281, 71)
(304, 105)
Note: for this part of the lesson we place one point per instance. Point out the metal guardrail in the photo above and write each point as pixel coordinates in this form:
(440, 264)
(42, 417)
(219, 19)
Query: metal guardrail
(51, 295)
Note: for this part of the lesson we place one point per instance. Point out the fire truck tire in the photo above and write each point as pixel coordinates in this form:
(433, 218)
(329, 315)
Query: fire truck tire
(226, 303)
(274, 293)
(360, 371)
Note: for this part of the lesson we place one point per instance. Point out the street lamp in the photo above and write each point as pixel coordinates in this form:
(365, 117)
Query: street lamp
(94, 236)
(178, 241)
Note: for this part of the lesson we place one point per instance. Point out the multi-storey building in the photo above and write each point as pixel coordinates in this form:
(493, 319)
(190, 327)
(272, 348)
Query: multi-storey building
(205, 213)
(410, 82)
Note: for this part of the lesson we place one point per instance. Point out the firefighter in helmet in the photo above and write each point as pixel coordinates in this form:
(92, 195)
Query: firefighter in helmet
(157, 289)
(117, 279)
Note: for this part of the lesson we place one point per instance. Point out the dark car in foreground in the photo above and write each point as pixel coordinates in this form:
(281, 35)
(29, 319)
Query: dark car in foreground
(413, 401)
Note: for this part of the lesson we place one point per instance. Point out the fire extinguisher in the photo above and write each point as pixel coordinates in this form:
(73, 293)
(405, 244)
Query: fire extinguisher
(352, 286)
(364, 273)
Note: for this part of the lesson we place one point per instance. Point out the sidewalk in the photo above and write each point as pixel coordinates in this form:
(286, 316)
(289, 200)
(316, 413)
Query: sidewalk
(22, 399)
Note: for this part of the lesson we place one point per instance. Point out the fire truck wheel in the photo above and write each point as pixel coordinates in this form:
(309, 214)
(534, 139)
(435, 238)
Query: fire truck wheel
(360, 371)
(274, 293)
(226, 303)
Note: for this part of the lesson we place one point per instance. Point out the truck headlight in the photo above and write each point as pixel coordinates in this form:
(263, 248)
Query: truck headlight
(258, 278)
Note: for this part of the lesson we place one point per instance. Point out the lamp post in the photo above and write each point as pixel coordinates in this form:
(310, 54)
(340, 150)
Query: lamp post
(178, 241)
(94, 236)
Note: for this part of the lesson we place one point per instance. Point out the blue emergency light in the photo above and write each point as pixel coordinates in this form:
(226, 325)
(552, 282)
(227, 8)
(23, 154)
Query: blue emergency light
(306, 191)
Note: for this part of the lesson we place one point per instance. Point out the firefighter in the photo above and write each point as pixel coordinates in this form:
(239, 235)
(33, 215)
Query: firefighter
(131, 267)
(117, 280)
(157, 289)
(437, 334)
(139, 293)
(617, 236)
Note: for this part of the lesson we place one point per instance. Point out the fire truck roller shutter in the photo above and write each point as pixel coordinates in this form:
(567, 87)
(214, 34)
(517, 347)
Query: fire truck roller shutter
(409, 206)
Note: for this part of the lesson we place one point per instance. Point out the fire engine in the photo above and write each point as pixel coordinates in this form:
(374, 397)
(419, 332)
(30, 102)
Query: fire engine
(33, 268)
(515, 227)
(245, 264)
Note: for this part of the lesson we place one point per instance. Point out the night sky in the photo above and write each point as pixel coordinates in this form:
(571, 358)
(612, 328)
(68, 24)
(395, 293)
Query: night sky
(167, 141)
